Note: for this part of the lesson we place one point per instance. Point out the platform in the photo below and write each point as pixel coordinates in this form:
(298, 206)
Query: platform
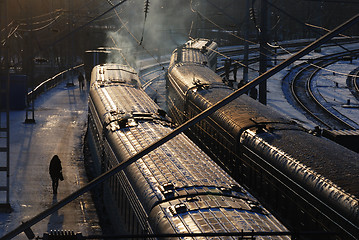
(61, 117)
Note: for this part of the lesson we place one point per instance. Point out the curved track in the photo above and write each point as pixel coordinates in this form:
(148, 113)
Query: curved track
(300, 88)
(304, 97)
(353, 83)
(153, 81)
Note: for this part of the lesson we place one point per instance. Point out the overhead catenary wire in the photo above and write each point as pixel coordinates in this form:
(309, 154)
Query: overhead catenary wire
(302, 23)
(317, 27)
(254, 43)
(325, 29)
(14, 30)
(89, 22)
(215, 24)
(134, 37)
(235, 61)
(279, 46)
(27, 224)
(228, 32)
(123, 25)
(42, 27)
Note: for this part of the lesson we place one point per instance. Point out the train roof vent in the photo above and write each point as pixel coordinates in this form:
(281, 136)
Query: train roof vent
(237, 188)
(161, 112)
(167, 190)
(225, 190)
(116, 80)
(166, 187)
(168, 194)
(180, 208)
(204, 49)
(255, 207)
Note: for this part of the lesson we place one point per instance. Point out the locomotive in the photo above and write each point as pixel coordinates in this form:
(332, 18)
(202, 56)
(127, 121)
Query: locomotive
(174, 189)
(309, 181)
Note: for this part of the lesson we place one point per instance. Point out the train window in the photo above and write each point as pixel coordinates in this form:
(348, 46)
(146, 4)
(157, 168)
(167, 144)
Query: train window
(116, 188)
(121, 200)
(111, 184)
(130, 220)
(124, 208)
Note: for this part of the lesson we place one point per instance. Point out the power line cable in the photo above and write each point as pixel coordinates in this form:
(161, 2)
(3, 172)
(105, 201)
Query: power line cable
(41, 28)
(82, 26)
(134, 37)
(215, 24)
(302, 23)
(89, 22)
(228, 32)
(325, 29)
(100, 179)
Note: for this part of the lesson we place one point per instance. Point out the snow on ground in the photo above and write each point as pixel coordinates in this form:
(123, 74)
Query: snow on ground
(332, 91)
(276, 98)
(61, 116)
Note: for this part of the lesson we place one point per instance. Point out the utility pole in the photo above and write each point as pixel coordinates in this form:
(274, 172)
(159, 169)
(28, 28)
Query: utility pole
(246, 44)
(4, 116)
(319, 10)
(29, 70)
(264, 53)
(70, 46)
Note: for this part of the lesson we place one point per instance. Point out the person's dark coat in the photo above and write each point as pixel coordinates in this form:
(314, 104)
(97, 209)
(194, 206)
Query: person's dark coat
(55, 167)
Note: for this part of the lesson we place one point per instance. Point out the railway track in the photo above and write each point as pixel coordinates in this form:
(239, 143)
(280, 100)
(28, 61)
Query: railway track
(302, 90)
(153, 81)
(283, 48)
(353, 83)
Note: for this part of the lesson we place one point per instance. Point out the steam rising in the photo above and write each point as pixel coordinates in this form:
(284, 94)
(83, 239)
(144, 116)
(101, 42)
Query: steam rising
(167, 26)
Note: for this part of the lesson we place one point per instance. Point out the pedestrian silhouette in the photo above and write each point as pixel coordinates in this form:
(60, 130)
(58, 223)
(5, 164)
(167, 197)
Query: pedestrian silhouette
(55, 171)
(253, 93)
(227, 67)
(235, 69)
(81, 80)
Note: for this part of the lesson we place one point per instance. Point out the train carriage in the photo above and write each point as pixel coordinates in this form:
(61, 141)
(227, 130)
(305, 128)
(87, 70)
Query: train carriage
(293, 171)
(176, 188)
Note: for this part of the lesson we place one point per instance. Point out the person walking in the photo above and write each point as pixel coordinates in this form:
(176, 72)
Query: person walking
(235, 69)
(81, 80)
(55, 171)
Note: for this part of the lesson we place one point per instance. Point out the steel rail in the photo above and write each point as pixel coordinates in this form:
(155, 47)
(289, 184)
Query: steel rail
(25, 226)
(292, 46)
(301, 104)
(322, 107)
(355, 82)
(144, 72)
(316, 66)
(352, 82)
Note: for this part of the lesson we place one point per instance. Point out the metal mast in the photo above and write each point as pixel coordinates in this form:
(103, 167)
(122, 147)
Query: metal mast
(29, 70)
(4, 119)
(263, 52)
